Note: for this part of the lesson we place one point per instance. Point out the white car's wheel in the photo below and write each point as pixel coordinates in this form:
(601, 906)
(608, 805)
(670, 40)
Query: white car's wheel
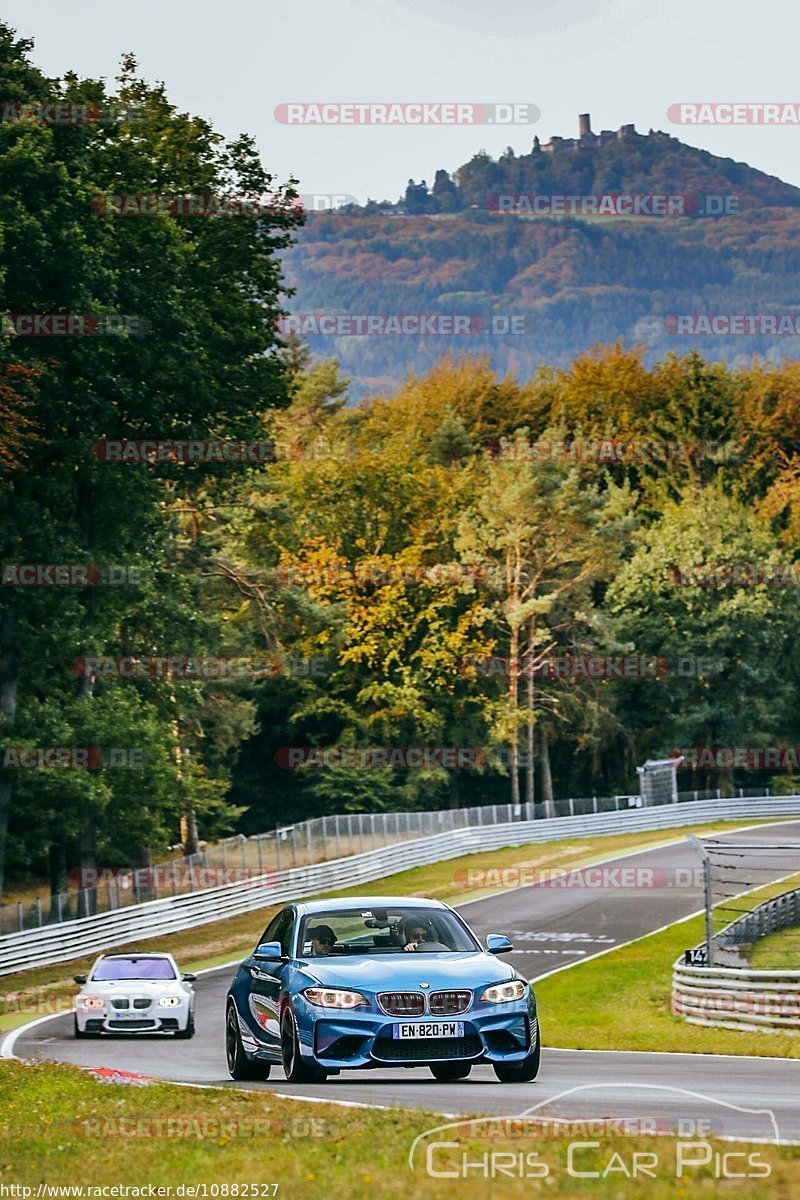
(188, 1032)
(82, 1033)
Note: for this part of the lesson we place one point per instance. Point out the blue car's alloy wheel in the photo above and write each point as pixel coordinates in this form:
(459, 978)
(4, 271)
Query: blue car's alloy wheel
(239, 1065)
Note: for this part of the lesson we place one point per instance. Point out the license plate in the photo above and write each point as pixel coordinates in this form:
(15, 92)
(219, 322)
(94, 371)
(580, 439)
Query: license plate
(428, 1029)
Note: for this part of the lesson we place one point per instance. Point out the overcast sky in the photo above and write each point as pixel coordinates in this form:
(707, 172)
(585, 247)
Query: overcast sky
(621, 60)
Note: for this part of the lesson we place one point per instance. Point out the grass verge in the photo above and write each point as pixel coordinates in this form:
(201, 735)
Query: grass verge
(61, 1127)
(620, 1000)
(778, 951)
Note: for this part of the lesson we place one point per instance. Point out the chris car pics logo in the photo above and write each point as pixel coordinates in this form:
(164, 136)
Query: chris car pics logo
(677, 1134)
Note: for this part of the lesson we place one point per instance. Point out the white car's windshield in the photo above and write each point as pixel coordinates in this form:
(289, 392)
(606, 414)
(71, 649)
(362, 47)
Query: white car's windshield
(384, 931)
(134, 968)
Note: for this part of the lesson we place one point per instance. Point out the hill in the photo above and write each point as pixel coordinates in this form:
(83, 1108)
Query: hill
(541, 288)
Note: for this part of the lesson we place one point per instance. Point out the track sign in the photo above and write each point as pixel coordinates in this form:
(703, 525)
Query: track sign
(698, 957)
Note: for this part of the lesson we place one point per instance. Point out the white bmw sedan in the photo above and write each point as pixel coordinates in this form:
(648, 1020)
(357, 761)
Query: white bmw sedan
(134, 993)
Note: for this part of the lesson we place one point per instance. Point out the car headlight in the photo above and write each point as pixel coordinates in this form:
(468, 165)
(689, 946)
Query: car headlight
(169, 1001)
(501, 992)
(91, 1001)
(334, 998)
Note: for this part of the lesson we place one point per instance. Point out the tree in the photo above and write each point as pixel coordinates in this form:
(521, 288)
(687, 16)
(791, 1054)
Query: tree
(417, 197)
(204, 366)
(545, 534)
(729, 645)
(445, 193)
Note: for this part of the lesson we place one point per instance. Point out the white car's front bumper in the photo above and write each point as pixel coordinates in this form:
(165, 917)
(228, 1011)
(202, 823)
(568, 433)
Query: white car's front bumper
(141, 1018)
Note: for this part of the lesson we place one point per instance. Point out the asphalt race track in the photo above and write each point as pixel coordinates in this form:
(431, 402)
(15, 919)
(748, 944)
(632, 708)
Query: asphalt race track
(551, 927)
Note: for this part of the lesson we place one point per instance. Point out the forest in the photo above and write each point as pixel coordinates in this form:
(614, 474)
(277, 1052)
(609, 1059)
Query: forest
(476, 586)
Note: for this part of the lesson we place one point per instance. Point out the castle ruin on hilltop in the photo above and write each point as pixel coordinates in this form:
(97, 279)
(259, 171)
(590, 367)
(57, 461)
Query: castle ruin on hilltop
(585, 137)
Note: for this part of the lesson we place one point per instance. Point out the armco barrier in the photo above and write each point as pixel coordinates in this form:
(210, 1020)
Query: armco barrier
(732, 944)
(71, 939)
(737, 997)
(742, 997)
(300, 844)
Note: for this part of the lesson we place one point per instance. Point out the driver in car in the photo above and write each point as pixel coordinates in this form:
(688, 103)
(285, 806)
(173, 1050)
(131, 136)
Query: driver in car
(322, 940)
(414, 932)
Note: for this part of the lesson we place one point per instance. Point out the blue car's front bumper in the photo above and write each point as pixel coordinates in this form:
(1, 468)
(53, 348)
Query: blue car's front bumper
(493, 1033)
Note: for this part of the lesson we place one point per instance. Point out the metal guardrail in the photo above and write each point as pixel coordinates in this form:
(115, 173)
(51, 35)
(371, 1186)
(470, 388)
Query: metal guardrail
(732, 944)
(72, 939)
(320, 839)
(740, 996)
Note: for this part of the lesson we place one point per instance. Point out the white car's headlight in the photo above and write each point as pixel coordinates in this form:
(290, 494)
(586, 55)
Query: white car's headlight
(501, 992)
(169, 1001)
(91, 1001)
(334, 998)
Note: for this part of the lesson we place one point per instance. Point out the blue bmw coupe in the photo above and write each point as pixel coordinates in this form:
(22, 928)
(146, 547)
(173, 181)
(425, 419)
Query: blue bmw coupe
(380, 982)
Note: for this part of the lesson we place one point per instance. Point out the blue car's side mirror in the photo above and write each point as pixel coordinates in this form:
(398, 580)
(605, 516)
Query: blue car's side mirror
(269, 950)
(498, 943)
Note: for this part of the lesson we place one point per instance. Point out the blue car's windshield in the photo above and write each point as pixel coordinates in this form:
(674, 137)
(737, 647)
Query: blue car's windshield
(134, 968)
(384, 931)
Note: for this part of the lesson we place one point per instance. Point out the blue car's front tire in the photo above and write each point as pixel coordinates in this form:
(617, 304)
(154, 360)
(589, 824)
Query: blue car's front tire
(522, 1072)
(450, 1072)
(294, 1068)
(240, 1067)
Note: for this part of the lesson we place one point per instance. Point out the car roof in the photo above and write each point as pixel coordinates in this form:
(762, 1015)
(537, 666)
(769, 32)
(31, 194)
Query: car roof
(335, 905)
(138, 954)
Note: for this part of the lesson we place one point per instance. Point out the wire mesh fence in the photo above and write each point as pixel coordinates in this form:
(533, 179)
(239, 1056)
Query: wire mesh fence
(240, 859)
(732, 872)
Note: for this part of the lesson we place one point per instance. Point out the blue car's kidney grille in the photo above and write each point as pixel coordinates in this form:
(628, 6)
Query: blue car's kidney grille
(431, 1050)
(447, 1004)
(402, 1004)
